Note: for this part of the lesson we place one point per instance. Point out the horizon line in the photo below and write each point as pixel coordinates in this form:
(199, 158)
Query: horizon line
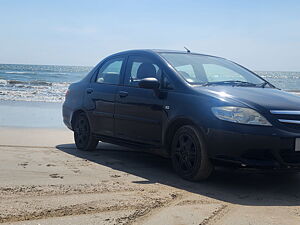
(255, 70)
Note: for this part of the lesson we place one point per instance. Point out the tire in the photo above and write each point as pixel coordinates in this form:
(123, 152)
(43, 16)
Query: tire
(82, 134)
(189, 154)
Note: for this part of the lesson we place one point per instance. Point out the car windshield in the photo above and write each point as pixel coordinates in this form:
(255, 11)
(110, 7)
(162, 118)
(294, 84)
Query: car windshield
(209, 70)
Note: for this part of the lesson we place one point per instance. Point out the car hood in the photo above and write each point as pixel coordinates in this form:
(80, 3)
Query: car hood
(268, 98)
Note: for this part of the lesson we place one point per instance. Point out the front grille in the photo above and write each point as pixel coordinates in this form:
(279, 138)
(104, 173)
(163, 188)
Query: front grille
(288, 118)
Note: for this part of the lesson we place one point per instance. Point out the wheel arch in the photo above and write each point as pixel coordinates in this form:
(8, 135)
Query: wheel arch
(74, 115)
(174, 125)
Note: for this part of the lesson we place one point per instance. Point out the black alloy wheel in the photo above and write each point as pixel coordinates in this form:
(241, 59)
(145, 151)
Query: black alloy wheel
(189, 154)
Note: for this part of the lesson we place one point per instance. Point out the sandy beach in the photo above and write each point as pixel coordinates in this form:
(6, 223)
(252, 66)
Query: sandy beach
(44, 179)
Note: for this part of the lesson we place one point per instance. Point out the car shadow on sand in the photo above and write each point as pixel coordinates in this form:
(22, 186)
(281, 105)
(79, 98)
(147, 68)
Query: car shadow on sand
(237, 187)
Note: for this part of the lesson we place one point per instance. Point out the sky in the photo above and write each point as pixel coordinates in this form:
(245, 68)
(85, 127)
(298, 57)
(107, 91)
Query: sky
(261, 35)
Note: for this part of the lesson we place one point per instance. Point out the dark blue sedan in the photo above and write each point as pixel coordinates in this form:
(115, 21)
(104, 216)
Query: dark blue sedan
(199, 110)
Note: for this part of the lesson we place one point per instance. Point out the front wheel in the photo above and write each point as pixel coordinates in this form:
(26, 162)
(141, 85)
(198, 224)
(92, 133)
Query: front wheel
(82, 134)
(189, 154)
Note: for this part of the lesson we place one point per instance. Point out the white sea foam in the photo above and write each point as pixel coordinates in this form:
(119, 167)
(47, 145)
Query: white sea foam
(3, 82)
(33, 91)
(295, 93)
(18, 72)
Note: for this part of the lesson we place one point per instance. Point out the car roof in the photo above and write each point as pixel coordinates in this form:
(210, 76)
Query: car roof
(157, 51)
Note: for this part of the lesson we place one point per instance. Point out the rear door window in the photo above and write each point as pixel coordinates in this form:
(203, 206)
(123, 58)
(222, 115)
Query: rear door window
(110, 71)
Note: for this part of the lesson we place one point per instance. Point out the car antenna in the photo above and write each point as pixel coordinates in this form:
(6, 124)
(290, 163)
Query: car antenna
(187, 50)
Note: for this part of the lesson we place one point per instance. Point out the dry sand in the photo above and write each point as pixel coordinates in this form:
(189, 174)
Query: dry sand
(45, 180)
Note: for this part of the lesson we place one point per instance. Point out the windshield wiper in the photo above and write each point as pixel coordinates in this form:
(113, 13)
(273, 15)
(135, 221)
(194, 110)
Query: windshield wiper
(231, 82)
(264, 84)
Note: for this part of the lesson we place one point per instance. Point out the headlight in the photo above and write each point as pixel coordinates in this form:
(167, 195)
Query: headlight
(240, 115)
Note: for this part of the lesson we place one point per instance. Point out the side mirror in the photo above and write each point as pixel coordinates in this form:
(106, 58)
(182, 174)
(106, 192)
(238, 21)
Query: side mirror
(149, 83)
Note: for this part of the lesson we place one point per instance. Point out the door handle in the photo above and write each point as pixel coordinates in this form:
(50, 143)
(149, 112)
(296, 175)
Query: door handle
(123, 94)
(89, 90)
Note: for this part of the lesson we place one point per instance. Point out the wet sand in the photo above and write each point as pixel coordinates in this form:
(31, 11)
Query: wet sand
(44, 179)
(31, 114)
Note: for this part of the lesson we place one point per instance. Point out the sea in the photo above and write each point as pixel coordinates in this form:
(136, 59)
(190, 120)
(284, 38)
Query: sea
(49, 83)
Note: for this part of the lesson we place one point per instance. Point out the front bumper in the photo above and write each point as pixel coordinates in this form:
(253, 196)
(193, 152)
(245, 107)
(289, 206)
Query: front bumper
(272, 149)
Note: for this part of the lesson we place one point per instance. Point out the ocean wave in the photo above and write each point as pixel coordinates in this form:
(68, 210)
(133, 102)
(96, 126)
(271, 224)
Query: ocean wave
(3, 82)
(295, 92)
(33, 93)
(19, 72)
(31, 96)
(41, 83)
(37, 82)
(58, 74)
(30, 83)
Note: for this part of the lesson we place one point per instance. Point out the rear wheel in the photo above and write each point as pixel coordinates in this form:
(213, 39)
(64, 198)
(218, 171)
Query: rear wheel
(189, 154)
(82, 134)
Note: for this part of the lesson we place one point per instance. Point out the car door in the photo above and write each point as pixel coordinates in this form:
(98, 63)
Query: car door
(138, 112)
(101, 94)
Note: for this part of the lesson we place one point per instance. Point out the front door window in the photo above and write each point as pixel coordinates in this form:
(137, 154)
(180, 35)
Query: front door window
(139, 68)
